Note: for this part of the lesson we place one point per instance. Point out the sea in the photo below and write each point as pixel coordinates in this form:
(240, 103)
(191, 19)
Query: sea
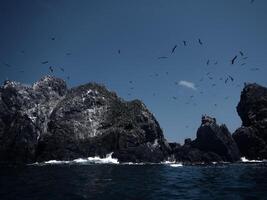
(100, 179)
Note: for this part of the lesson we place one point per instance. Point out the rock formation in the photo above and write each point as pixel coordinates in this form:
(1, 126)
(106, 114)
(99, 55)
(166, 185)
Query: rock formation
(251, 138)
(48, 121)
(214, 143)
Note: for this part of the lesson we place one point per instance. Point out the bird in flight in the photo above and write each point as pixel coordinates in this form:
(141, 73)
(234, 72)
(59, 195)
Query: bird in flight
(232, 79)
(119, 51)
(185, 43)
(173, 49)
(241, 53)
(208, 62)
(162, 57)
(68, 54)
(200, 42)
(51, 69)
(6, 64)
(44, 62)
(233, 60)
(53, 38)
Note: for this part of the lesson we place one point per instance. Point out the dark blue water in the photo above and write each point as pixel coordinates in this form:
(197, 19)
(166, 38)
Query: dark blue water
(63, 182)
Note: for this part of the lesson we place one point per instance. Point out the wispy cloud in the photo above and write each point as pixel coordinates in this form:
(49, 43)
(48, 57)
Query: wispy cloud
(188, 84)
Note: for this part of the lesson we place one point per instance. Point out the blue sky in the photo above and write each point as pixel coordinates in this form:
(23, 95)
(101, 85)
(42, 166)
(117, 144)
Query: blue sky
(92, 32)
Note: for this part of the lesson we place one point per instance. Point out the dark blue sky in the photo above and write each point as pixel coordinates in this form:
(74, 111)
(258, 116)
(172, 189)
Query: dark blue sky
(93, 31)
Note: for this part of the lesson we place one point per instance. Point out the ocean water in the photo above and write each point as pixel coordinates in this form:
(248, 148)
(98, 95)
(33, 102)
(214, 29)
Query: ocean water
(109, 180)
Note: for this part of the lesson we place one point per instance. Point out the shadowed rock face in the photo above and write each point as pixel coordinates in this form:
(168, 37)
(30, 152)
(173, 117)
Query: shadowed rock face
(214, 143)
(48, 121)
(251, 138)
(214, 138)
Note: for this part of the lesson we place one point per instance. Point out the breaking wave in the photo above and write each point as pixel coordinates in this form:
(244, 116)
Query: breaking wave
(245, 160)
(90, 160)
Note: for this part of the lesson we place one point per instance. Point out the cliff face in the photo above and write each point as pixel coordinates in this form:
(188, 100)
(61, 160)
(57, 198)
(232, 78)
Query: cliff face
(213, 143)
(48, 121)
(251, 138)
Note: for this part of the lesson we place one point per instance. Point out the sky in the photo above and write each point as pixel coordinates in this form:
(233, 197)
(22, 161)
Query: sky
(84, 37)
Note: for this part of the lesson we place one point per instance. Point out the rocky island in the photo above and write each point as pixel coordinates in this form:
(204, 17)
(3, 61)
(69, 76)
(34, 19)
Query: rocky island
(48, 121)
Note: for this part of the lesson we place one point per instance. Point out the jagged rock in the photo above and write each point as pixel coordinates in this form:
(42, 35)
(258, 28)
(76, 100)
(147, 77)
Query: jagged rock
(214, 138)
(48, 121)
(214, 143)
(251, 138)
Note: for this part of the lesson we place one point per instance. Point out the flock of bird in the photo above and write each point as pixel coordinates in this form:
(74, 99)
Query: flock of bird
(226, 79)
(240, 57)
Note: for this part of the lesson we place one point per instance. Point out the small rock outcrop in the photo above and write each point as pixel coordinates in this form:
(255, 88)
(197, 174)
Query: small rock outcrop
(48, 121)
(214, 143)
(251, 138)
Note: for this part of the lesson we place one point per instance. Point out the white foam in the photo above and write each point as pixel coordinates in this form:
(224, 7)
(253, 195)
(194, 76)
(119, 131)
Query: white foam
(176, 165)
(244, 159)
(56, 162)
(172, 163)
(90, 160)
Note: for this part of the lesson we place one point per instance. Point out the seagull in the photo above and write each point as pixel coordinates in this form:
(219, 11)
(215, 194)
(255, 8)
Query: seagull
(184, 43)
(51, 69)
(162, 57)
(232, 79)
(208, 62)
(241, 53)
(233, 60)
(199, 41)
(6, 64)
(119, 51)
(213, 85)
(44, 62)
(173, 49)
(68, 54)
(53, 38)
(254, 69)
(175, 98)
